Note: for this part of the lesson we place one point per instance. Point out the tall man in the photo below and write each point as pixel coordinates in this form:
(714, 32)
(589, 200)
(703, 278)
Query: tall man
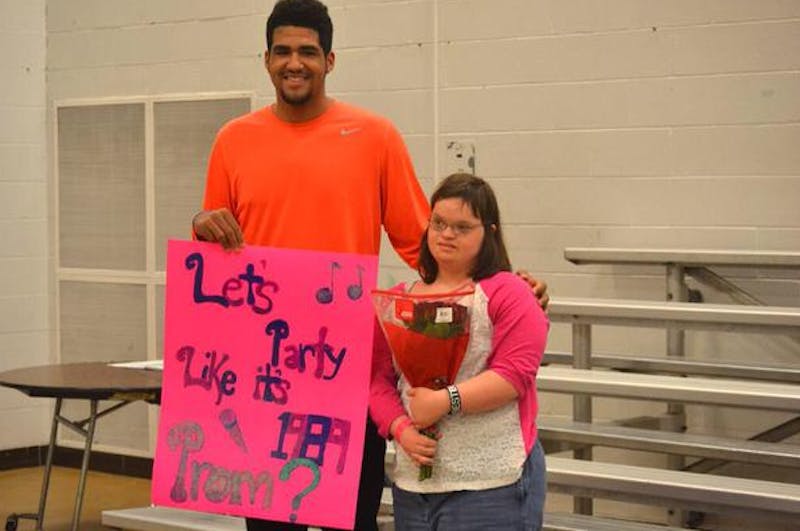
(309, 172)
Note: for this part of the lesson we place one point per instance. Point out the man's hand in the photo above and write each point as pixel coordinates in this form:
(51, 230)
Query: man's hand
(538, 287)
(218, 226)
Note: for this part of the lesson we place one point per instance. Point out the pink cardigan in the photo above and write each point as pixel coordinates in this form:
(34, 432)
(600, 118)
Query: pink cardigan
(519, 335)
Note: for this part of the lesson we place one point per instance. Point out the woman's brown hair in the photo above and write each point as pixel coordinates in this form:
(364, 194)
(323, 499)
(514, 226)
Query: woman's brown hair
(475, 192)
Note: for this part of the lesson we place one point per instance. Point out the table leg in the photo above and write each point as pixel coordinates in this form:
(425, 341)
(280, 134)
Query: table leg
(76, 515)
(48, 467)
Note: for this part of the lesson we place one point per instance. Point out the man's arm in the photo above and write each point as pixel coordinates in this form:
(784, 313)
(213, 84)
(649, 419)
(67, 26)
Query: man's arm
(404, 207)
(216, 222)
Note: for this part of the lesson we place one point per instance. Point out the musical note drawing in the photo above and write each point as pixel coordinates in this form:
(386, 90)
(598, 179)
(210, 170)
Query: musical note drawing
(354, 291)
(325, 294)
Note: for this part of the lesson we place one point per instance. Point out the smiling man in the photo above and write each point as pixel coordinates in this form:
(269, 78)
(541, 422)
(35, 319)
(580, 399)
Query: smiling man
(298, 65)
(310, 172)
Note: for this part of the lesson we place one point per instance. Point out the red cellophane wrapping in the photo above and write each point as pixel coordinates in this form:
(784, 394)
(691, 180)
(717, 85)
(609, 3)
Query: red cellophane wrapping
(427, 334)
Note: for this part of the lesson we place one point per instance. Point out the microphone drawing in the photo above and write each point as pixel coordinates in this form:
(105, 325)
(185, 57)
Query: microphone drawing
(231, 424)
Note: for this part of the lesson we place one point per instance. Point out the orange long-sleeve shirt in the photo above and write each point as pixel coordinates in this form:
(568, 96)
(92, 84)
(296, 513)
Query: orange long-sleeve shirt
(327, 184)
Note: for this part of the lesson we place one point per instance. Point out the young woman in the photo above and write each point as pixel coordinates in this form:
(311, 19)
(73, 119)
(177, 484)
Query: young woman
(488, 466)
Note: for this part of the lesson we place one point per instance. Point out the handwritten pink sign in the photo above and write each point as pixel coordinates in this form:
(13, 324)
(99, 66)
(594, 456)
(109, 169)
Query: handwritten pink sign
(266, 372)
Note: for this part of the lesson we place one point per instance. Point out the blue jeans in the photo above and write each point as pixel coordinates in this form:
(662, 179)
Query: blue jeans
(516, 507)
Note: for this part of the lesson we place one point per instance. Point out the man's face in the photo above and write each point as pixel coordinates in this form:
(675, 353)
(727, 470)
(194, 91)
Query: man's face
(297, 65)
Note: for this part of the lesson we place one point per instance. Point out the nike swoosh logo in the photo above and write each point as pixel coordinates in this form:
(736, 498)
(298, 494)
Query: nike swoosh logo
(346, 132)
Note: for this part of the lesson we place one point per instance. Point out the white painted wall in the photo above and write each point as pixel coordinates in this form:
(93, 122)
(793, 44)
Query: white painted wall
(24, 324)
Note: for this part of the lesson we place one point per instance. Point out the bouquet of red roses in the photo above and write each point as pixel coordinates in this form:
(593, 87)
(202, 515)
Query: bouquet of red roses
(428, 337)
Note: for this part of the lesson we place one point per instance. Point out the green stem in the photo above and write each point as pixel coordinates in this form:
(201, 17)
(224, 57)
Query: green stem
(426, 471)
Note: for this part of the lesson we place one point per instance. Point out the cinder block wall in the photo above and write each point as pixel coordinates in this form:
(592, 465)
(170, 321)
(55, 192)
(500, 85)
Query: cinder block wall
(623, 123)
(24, 323)
(634, 124)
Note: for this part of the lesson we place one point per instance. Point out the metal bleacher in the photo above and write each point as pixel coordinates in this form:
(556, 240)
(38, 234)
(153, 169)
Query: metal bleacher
(676, 381)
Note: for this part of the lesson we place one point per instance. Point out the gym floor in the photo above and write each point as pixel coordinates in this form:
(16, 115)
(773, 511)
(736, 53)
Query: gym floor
(20, 488)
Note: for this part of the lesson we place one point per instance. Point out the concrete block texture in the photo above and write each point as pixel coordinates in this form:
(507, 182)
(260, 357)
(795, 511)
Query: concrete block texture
(24, 271)
(23, 17)
(23, 276)
(23, 238)
(81, 15)
(23, 314)
(28, 421)
(741, 99)
(637, 53)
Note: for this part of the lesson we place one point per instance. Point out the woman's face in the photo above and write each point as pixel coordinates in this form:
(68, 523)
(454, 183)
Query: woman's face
(455, 234)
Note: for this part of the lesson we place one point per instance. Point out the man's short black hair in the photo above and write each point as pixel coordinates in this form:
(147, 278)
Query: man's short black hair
(311, 14)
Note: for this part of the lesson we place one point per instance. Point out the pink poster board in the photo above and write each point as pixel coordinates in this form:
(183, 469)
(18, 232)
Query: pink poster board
(266, 373)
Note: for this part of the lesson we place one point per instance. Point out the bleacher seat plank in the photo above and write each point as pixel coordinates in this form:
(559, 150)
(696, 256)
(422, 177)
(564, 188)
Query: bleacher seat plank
(776, 454)
(724, 369)
(690, 390)
(684, 315)
(684, 257)
(169, 519)
(671, 488)
(165, 519)
(582, 522)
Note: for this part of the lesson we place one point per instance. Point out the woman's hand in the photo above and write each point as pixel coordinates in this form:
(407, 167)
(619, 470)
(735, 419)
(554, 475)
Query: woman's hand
(427, 406)
(418, 447)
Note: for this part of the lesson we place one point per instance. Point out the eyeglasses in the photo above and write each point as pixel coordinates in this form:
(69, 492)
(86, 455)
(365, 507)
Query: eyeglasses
(459, 229)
